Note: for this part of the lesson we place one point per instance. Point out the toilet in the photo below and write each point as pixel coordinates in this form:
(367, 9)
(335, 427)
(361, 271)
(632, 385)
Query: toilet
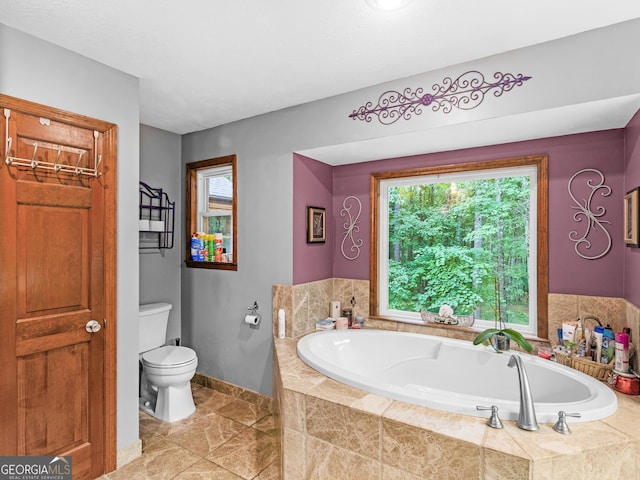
(165, 370)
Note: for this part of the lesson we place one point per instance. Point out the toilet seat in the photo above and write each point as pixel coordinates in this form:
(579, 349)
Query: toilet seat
(169, 356)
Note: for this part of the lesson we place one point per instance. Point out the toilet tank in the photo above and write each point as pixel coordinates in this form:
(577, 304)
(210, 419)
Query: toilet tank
(152, 325)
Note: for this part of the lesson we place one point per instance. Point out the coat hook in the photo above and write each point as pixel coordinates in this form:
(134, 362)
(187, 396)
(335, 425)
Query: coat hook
(78, 162)
(8, 158)
(56, 167)
(96, 173)
(34, 162)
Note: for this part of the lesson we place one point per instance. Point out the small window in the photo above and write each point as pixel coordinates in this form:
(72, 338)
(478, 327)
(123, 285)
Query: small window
(211, 214)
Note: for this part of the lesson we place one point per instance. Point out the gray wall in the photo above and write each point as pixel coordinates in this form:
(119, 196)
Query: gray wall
(214, 302)
(41, 72)
(160, 167)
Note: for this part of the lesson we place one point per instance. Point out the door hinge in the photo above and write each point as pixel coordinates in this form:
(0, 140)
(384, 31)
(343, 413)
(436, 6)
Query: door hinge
(104, 322)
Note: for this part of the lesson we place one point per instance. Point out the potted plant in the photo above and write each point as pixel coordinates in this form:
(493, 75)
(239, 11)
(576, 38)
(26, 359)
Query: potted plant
(499, 337)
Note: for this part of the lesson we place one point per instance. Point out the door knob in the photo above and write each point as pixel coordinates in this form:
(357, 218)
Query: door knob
(92, 326)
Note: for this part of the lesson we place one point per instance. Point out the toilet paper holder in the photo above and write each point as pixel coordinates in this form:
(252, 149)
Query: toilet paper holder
(253, 318)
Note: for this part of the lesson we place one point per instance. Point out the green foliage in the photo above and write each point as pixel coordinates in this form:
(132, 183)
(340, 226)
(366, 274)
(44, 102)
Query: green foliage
(447, 245)
(486, 336)
(435, 276)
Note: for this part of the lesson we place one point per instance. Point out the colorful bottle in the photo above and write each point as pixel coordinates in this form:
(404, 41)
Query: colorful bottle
(201, 256)
(195, 247)
(211, 247)
(205, 247)
(598, 334)
(608, 346)
(622, 353)
(218, 247)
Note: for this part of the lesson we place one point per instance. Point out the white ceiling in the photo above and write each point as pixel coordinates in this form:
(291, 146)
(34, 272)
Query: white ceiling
(204, 63)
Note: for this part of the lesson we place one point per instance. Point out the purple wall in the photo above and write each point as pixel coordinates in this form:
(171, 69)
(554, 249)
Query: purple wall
(631, 181)
(312, 186)
(568, 273)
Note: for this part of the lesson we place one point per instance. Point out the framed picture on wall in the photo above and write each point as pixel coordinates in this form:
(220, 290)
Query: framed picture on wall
(316, 222)
(631, 218)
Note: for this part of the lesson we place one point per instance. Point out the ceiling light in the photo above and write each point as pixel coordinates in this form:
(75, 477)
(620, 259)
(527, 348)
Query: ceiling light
(388, 5)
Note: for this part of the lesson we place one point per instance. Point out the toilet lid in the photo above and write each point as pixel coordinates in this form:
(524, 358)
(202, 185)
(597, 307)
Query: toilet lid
(168, 356)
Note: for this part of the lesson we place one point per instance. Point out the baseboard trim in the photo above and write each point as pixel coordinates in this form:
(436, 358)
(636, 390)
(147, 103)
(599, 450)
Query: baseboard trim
(128, 454)
(232, 390)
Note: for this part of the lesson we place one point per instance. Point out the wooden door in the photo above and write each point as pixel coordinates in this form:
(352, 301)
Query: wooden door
(57, 264)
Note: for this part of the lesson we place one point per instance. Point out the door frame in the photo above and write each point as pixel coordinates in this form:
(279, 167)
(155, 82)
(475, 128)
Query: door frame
(108, 168)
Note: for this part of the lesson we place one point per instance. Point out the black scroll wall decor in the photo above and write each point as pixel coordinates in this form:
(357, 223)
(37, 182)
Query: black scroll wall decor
(466, 92)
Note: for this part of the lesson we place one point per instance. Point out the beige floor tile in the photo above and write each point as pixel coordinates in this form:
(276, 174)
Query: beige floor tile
(242, 411)
(205, 470)
(207, 433)
(272, 472)
(208, 398)
(247, 454)
(266, 424)
(161, 461)
(237, 437)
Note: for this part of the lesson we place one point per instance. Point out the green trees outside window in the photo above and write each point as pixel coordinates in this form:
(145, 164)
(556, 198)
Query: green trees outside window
(473, 237)
(448, 241)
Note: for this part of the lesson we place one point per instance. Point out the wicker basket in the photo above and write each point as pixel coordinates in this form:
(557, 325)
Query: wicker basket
(563, 358)
(583, 364)
(594, 369)
(597, 370)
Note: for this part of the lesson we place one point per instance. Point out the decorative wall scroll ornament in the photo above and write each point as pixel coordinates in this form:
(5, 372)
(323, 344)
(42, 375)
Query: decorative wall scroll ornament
(351, 227)
(465, 93)
(583, 243)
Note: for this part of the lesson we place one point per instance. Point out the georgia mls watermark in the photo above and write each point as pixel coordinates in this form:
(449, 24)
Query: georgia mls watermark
(35, 468)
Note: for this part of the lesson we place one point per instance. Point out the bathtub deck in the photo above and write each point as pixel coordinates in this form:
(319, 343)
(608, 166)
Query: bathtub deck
(327, 426)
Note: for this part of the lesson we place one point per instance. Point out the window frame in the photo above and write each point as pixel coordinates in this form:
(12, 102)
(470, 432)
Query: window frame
(540, 162)
(191, 210)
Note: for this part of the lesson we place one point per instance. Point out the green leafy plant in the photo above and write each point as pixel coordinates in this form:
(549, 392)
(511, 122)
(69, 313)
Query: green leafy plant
(500, 329)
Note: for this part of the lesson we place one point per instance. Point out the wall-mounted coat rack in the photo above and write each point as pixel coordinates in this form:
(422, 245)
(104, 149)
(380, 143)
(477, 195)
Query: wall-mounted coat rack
(156, 218)
(56, 166)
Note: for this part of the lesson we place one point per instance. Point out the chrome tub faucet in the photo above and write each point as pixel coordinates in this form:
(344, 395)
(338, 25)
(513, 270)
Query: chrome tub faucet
(527, 415)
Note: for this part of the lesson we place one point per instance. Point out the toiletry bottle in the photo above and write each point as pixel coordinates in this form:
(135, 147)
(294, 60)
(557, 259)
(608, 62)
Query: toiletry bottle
(201, 256)
(608, 345)
(593, 346)
(205, 247)
(218, 247)
(195, 247)
(598, 334)
(348, 313)
(210, 244)
(622, 353)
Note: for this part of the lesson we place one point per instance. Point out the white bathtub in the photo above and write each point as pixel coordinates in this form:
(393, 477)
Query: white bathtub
(452, 375)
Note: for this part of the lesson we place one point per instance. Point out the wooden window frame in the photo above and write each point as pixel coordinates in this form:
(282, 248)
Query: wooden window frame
(540, 161)
(192, 215)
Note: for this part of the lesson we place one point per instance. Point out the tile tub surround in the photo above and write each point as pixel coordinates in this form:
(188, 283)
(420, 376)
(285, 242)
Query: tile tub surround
(328, 428)
(304, 304)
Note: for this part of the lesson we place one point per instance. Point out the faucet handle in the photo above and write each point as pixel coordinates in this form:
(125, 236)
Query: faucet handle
(494, 421)
(561, 425)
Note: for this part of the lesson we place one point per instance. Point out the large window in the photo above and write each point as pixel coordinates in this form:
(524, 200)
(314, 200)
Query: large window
(472, 236)
(211, 213)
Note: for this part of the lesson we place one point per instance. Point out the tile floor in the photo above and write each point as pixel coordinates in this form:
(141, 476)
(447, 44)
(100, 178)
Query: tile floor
(225, 439)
